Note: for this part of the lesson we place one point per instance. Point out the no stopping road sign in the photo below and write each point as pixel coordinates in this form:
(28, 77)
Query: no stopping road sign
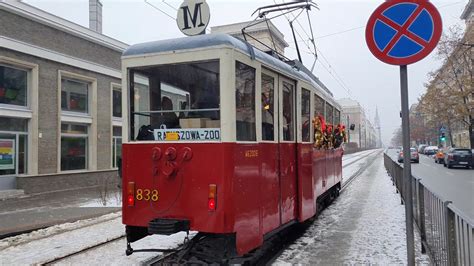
(402, 32)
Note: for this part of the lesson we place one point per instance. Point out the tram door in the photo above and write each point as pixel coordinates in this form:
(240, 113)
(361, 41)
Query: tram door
(271, 192)
(287, 149)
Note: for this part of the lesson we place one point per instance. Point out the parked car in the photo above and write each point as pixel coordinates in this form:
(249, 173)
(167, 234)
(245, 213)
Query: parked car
(439, 156)
(458, 156)
(414, 156)
(421, 148)
(430, 150)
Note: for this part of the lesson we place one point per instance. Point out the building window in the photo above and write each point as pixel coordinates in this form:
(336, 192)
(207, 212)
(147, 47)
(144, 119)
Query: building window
(117, 102)
(13, 86)
(74, 96)
(13, 146)
(116, 146)
(74, 141)
(305, 113)
(245, 102)
(268, 107)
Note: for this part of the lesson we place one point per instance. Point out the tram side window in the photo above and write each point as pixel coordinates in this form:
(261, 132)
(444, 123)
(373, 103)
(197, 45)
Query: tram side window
(329, 113)
(268, 107)
(288, 112)
(176, 96)
(305, 113)
(318, 106)
(245, 102)
(337, 116)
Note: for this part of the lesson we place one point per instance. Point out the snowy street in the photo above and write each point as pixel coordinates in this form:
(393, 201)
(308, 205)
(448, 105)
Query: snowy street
(364, 225)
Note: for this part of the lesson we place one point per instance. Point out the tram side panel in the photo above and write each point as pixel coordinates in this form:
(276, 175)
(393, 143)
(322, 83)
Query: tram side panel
(329, 169)
(288, 182)
(306, 182)
(270, 186)
(319, 171)
(248, 197)
(338, 166)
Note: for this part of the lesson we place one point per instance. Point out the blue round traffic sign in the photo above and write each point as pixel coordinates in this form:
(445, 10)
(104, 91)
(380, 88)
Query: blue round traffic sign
(402, 32)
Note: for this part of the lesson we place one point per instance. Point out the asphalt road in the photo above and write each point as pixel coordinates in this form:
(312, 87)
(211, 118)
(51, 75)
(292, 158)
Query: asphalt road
(456, 184)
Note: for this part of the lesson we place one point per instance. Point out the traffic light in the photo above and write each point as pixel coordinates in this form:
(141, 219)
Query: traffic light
(442, 137)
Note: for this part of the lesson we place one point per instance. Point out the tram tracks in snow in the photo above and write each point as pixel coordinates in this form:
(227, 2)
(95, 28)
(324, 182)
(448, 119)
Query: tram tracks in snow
(359, 171)
(83, 250)
(363, 156)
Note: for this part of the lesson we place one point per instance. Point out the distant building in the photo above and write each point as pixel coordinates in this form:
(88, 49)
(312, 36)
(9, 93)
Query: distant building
(60, 100)
(364, 133)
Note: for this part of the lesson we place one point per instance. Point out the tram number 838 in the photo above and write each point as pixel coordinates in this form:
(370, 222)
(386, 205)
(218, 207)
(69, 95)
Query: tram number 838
(147, 194)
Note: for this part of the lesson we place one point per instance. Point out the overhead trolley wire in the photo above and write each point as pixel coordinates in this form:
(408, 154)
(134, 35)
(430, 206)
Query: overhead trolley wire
(157, 8)
(317, 51)
(164, 12)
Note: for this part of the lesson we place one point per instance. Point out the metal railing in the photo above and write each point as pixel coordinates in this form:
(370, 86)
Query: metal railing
(446, 234)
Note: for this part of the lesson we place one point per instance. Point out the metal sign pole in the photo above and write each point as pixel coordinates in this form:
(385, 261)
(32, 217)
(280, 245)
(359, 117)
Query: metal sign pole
(407, 165)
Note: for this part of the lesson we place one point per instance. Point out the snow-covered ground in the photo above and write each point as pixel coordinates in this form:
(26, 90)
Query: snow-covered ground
(54, 242)
(365, 225)
(57, 241)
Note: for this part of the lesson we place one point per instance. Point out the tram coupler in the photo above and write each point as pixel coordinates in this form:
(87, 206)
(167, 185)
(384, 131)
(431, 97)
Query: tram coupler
(129, 251)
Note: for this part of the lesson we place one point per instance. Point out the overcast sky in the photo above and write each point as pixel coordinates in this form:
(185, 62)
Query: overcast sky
(345, 64)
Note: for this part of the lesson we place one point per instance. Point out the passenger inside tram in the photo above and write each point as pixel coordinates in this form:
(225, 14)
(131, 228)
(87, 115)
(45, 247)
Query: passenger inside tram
(169, 119)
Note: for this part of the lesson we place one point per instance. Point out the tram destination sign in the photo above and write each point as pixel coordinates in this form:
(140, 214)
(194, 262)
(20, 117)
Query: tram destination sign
(188, 134)
(402, 32)
(193, 17)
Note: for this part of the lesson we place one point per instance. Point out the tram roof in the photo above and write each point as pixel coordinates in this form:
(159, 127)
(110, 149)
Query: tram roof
(210, 40)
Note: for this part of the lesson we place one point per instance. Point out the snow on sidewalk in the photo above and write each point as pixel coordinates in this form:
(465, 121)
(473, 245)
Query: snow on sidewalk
(365, 225)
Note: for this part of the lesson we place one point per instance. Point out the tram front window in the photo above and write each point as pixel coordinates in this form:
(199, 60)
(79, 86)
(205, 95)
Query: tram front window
(172, 101)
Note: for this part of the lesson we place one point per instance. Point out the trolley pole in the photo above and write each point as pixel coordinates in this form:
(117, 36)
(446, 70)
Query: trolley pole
(407, 165)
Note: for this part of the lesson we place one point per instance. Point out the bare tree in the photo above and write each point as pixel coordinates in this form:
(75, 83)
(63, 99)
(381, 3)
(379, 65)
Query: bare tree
(447, 100)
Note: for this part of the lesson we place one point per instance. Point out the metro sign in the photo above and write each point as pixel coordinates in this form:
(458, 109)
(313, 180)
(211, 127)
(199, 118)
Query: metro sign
(193, 17)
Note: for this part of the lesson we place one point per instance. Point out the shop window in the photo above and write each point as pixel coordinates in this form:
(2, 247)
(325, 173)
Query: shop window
(116, 102)
(305, 114)
(74, 141)
(74, 96)
(13, 146)
(245, 102)
(13, 86)
(268, 107)
(116, 146)
(288, 112)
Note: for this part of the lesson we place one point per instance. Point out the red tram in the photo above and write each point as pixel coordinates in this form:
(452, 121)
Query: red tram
(219, 140)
